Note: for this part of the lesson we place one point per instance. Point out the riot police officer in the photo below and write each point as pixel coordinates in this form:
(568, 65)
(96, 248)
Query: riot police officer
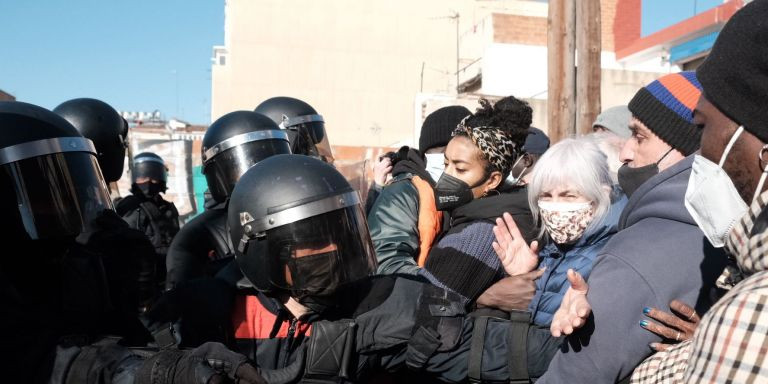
(119, 244)
(305, 127)
(231, 145)
(56, 300)
(99, 122)
(146, 210)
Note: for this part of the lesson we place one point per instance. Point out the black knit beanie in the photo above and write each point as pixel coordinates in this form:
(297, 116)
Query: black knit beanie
(439, 125)
(735, 74)
(666, 106)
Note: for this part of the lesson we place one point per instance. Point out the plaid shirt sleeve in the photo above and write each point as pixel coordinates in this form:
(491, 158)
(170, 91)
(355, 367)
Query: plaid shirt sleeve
(664, 367)
(731, 342)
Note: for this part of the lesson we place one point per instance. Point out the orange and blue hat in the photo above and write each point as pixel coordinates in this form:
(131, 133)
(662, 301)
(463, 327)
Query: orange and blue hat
(666, 107)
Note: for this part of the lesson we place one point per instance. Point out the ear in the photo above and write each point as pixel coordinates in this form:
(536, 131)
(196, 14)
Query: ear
(494, 180)
(527, 160)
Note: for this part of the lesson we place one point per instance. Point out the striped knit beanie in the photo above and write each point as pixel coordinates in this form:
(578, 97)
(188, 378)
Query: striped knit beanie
(666, 107)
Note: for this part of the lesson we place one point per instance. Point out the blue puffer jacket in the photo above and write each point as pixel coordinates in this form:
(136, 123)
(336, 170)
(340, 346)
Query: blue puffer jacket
(553, 284)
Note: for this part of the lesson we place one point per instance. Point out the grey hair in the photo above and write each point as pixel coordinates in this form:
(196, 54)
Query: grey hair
(579, 163)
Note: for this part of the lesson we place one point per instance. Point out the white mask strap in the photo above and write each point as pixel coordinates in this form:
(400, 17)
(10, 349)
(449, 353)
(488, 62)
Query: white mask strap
(513, 168)
(765, 172)
(730, 145)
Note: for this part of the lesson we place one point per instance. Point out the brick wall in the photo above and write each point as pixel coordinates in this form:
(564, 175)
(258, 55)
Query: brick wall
(515, 29)
(626, 28)
(608, 13)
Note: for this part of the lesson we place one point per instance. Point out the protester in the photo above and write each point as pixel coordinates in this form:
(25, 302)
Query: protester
(730, 173)
(659, 252)
(478, 159)
(610, 131)
(404, 221)
(572, 196)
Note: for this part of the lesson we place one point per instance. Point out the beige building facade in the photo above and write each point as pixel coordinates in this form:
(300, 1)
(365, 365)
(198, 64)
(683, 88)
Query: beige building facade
(374, 69)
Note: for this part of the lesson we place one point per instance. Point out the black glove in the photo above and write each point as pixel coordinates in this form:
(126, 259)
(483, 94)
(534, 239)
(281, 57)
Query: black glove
(208, 363)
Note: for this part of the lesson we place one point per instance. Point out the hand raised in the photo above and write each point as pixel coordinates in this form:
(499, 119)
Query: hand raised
(510, 246)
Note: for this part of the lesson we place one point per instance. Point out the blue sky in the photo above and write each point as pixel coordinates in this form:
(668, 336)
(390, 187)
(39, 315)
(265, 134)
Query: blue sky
(659, 14)
(131, 54)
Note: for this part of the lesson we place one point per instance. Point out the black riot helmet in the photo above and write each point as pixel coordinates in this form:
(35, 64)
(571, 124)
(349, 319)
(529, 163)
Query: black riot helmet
(299, 227)
(305, 127)
(149, 175)
(234, 143)
(151, 166)
(100, 123)
(50, 180)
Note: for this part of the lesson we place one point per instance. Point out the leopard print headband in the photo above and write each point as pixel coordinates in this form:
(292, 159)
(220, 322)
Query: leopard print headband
(493, 142)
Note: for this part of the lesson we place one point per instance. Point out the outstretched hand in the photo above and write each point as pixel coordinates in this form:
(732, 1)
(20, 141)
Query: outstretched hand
(510, 246)
(574, 309)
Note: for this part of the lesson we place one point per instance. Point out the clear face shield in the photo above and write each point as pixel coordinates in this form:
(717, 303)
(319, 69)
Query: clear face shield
(308, 137)
(226, 162)
(58, 186)
(311, 257)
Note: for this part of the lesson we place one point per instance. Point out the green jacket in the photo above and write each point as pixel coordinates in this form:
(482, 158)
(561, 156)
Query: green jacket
(393, 222)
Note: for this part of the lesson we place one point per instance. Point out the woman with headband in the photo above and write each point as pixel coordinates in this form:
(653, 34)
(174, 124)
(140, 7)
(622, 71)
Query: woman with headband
(479, 157)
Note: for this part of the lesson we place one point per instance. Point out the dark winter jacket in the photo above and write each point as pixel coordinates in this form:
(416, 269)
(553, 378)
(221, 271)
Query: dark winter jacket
(551, 286)
(394, 218)
(659, 254)
(463, 259)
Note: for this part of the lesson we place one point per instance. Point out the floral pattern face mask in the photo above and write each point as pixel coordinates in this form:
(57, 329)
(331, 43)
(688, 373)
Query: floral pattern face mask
(565, 222)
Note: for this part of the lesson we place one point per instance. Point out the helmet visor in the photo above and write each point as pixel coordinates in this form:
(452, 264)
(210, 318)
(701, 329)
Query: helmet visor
(149, 169)
(224, 170)
(310, 139)
(317, 255)
(59, 194)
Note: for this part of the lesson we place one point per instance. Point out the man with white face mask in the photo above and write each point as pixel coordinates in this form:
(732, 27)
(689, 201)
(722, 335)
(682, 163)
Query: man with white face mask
(659, 253)
(404, 221)
(729, 175)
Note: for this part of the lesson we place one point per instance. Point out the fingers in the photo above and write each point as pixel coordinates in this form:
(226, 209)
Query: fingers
(685, 310)
(533, 275)
(577, 282)
(660, 347)
(502, 254)
(661, 330)
(535, 247)
(511, 226)
(666, 319)
(502, 233)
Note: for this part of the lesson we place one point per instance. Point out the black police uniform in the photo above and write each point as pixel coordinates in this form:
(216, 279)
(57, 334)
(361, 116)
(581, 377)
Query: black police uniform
(231, 145)
(145, 210)
(59, 295)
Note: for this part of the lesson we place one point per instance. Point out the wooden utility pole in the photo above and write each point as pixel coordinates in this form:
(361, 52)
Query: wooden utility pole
(588, 46)
(561, 69)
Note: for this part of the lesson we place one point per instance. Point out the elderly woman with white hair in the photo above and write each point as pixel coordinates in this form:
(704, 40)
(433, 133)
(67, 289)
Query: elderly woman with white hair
(571, 195)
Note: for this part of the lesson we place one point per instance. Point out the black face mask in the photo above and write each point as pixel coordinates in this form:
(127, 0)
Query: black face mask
(451, 193)
(149, 189)
(318, 280)
(630, 179)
